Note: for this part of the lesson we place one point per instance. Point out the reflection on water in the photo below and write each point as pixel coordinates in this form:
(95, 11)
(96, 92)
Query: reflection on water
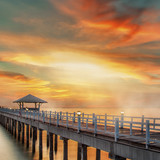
(11, 149)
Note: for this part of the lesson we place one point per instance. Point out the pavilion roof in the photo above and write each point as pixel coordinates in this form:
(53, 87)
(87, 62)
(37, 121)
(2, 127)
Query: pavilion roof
(30, 99)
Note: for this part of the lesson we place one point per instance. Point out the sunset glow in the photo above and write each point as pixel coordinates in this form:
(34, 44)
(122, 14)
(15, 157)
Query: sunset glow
(81, 53)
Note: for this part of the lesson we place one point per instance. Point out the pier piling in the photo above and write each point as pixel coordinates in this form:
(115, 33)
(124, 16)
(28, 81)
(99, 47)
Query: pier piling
(65, 149)
(51, 146)
(79, 151)
(12, 127)
(98, 154)
(19, 131)
(23, 133)
(33, 139)
(40, 144)
(55, 143)
(84, 152)
(15, 129)
(48, 139)
(119, 158)
(27, 135)
(30, 131)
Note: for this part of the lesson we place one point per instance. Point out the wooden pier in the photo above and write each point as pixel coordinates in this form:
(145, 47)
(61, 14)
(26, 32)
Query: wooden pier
(136, 138)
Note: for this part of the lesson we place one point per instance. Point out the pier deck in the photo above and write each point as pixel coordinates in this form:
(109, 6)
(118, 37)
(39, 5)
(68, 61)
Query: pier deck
(139, 142)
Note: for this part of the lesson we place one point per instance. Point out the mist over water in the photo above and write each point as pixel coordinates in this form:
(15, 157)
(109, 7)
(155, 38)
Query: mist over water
(128, 111)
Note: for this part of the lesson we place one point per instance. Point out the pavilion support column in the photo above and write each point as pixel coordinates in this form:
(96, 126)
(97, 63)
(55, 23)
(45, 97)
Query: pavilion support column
(98, 154)
(40, 144)
(22, 105)
(55, 143)
(84, 152)
(33, 139)
(39, 107)
(35, 105)
(79, 151)
(51, 146)
(19, 130)
(23, 133)
(15, 129)
(27, 135)
(48, 139)
(30, 131)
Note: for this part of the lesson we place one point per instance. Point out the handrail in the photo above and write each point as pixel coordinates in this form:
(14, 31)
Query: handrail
(95, 123)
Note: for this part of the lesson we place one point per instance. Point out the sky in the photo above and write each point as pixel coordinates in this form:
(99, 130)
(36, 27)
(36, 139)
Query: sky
(83, 53)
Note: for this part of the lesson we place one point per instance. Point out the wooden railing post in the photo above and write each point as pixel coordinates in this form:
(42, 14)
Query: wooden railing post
(38, 114)
(122, 119)
(154, 123)
(95, 125)
(60, 117)
(46, 116)
(93, 115)
(34, 115)
(142, 123)
(43, 116)
(116, 129)
(105, 123)
(87, 123)
(82, 117)
(130, 128)
(74, 115)
(79, 124)
(50, 117)
(67, 119)
(27, 114)
(57, 119)
(147, 134)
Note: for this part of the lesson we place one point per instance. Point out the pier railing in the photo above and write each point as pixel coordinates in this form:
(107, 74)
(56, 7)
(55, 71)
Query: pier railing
(117, 126)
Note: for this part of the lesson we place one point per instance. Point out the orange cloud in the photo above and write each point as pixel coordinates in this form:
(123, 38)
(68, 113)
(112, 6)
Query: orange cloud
(102, 20)
(13, 75)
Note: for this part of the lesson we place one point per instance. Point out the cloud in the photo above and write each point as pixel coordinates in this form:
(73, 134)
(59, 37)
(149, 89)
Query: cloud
(14, 75)
(111, 21)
